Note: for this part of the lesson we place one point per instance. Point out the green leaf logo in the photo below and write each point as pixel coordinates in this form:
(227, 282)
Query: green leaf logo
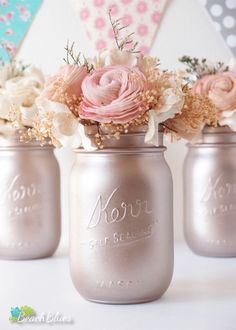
(27, 311)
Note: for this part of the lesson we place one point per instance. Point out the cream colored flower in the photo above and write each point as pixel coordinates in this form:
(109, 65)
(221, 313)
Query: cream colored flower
(19, 94)
(36, 76)
(66, 128)
(64, 122)
(228, 118)
(23, 90)
(82, 139)
(152, 135)
(114, 57)
(28, 115)
(171, 102)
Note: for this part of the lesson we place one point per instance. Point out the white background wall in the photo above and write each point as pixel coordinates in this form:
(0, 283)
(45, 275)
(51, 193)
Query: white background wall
(185, 29)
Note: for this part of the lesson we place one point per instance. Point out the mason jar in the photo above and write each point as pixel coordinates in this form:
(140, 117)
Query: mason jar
(210, 193)
(121, 227)
(29, 199)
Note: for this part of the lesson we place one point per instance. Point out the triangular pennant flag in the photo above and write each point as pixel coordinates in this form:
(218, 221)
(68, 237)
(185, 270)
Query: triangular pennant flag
(142, 16)
(223, 15)
(15, 20)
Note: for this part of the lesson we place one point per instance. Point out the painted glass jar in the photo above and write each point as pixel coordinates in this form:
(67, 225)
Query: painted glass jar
(121, 226)
(29, 200)
(210, 193)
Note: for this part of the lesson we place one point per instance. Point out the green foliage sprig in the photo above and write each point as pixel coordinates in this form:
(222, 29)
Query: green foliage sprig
(76, 58)
(200, 67)
(122, 42)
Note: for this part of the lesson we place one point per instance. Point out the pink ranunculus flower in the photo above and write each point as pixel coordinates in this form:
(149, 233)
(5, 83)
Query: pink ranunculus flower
(67, 80)
(220, 88)
(112, 94)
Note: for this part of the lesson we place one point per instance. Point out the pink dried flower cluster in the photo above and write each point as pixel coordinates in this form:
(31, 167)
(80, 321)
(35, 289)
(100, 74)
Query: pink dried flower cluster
(220, 88)
(217, 81)
(120, 88)
(117, 89)
(112, 93)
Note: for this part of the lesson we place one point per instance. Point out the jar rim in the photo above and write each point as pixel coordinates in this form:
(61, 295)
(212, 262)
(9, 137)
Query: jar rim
(217, 130)
(12, 141)
(125, 151)
(215, 137)
(129, 142)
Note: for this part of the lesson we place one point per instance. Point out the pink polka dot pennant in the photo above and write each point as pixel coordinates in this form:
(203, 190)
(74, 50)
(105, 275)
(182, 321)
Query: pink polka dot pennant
(142, 17)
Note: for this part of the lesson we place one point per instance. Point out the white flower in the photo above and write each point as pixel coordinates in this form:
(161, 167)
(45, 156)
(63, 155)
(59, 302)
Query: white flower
(36, 76)
(114, 57)
(28, 115)
(186, 76)
(82, 139)
(64, 122)
(66, 128)
(171, 103)
(24, 89)
(232, 64)
(19, 93)
(152, 136)
(228, 118)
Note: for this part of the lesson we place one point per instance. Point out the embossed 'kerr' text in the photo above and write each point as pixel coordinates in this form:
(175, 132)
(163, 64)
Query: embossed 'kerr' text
(103, 212)
(218, 189)
(17, 191)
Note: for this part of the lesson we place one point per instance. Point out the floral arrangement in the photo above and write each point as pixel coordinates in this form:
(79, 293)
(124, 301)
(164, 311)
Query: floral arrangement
(217, 81)
(20, 85)
(90, 100)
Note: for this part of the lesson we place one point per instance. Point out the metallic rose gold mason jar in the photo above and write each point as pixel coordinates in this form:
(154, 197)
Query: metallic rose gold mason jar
(29, 200)
(210, 194)
(121, 235)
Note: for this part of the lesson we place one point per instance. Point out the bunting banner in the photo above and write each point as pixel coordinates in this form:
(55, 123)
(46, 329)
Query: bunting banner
(16, 17)
(223, 15)
(142, 16)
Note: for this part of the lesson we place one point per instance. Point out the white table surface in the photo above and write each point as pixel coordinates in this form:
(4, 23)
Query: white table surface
(202, 296)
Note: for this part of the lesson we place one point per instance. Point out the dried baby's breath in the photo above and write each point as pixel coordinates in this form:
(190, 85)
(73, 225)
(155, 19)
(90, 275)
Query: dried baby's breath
(62, 96)
(197, 112)
(41, 131)
(107, 131)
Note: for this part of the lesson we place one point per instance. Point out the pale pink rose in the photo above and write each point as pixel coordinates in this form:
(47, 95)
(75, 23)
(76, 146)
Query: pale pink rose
(69, 78)
(220, 88)
(112, 94)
